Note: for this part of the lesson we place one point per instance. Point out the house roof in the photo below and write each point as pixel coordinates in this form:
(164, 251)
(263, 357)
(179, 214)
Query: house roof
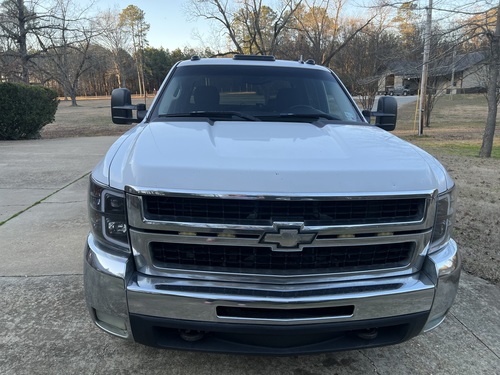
(459, 63)
(438, 67)
(405, 68)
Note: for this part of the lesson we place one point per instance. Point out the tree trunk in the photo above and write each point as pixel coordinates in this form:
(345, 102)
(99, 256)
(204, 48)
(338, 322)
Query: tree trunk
(23, 49)
(71, 92)
(118, 72)
(494, 66)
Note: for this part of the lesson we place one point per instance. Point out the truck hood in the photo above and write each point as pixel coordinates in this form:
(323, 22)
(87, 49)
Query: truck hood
(270, 158)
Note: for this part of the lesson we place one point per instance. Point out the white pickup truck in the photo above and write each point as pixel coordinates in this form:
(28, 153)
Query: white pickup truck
(254, 209)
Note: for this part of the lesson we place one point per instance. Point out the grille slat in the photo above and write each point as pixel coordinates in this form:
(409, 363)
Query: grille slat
(264, 212)
(255, 259)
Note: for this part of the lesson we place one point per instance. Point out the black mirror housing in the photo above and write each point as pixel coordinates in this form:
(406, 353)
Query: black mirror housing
(387, 112)
(141, 112)
(121, 108)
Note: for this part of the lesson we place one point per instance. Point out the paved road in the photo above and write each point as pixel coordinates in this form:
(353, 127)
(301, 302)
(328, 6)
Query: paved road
(401, 100)
(45, 327)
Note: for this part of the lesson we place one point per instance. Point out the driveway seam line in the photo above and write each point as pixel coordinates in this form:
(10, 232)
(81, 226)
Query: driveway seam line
(43, 199)
(476, 336)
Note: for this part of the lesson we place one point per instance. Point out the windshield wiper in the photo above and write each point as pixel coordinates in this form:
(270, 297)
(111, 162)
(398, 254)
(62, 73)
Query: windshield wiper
(211, 114)
(307, 115)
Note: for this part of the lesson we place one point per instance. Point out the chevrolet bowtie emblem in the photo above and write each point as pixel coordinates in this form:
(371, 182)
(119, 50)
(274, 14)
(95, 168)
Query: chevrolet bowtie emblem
(288, 239)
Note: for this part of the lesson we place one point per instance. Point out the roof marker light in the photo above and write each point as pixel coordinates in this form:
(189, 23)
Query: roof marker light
(254, 57)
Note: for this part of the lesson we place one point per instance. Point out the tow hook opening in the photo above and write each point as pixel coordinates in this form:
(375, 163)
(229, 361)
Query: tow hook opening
(368, 334)
(191, 335)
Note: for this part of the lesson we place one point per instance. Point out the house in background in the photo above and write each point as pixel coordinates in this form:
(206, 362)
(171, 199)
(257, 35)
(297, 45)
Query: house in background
(400, 74)
(452, 74)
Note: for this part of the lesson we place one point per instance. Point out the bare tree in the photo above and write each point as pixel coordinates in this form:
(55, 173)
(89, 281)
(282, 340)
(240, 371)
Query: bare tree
(367, 58)
(113, 37)
(480, 26)
(493, 89)
(221, 13)
(20, 21)
(252, 27)
(409, 23)
(100, 78)
(477, 24)
(66, 46)
(321, 24)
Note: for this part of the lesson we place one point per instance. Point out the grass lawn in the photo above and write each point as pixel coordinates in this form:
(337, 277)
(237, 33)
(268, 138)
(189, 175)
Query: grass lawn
(457, 126)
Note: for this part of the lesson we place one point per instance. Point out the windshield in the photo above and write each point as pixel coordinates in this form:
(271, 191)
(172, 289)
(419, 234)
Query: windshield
(254, 93)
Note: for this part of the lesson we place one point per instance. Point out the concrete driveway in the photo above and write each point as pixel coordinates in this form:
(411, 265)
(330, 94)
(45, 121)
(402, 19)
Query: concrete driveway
(44, 324)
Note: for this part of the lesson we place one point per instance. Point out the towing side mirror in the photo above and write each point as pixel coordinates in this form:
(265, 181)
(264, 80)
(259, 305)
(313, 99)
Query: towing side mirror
(387, 112)
(121, 108)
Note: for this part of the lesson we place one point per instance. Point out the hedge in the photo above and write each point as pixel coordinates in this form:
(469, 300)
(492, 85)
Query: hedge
(25, 110)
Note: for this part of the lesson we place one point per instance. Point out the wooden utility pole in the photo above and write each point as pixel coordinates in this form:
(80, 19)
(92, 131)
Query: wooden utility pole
(425, 67)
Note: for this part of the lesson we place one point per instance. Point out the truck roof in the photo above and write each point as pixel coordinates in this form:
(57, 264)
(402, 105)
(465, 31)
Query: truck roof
(252, 60)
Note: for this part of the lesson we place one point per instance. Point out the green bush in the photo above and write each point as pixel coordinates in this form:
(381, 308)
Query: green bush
(25, 110)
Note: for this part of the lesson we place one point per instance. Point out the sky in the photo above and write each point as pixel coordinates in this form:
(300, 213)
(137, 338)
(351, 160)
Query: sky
(171, 28)
(169, 24)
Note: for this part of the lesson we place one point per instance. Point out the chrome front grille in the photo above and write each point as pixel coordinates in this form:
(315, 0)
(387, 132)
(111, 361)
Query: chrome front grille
(253, 259)
(264, 212)
(223, 236)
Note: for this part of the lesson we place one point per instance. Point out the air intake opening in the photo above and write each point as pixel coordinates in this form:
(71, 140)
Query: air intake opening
(285, 314)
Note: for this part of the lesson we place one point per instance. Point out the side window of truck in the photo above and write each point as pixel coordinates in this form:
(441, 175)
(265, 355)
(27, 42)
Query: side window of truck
(170, 99)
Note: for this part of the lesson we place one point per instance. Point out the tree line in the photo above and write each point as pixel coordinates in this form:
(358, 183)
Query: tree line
(64, 44)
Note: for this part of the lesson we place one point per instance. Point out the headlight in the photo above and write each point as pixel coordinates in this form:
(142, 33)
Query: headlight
(108, 218)
(445, 219)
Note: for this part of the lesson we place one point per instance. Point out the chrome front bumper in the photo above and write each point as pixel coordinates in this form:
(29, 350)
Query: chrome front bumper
(115, 292)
